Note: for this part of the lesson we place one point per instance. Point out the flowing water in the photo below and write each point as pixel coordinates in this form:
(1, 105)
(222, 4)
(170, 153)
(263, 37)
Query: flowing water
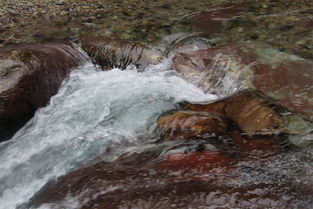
(99, 115)
(94, 145)
(94, 114)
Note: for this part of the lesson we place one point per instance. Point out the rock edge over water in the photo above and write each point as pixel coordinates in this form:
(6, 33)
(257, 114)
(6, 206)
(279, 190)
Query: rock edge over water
(30, 74)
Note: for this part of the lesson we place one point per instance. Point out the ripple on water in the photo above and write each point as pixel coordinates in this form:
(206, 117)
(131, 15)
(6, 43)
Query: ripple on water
(94, 113)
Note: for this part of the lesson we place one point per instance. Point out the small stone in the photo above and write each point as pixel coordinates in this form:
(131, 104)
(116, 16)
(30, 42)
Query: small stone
(191, 125)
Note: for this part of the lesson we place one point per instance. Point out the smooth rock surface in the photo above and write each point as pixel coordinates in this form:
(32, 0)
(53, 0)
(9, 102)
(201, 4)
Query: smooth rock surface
(191, 124)
(30, 74)
(211, 21)
(283, 79)
(197, 179)
(113, 53)
(246, 111)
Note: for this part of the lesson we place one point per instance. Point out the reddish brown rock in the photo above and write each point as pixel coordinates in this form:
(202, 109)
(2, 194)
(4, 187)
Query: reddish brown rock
(257, 147)
(111, 53)
(215, 70)
(284, 79)
(289, 84)
(252, 116)
(248, 112)
(191, 124)
(187, 180)
(217, 107)
(197, 162)
(210, 21)
(30, 74)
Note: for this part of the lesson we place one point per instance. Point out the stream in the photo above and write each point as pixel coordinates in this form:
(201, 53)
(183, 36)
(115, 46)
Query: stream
(96, 144)
(98, 116)
(94, 114)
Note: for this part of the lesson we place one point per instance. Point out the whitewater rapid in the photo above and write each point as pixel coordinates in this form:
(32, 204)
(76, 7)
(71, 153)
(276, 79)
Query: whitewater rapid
(96, 114)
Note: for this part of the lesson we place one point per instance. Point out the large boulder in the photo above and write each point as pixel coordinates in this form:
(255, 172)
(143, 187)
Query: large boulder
(30, 74)
(114, 53)
(284, 80)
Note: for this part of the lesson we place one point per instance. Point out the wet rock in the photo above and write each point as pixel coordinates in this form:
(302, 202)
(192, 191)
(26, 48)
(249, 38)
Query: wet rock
(97, 178)
(149, 23)
(247, 111)
(30, 74)
(197, 163)
(211, 21)
(252, 116)
(257, 147)
(191, 124)
(200, 179)
(282, 78)
(111, 53)
(289, 84)
(8, 130)
(268, 22)
(213, 69)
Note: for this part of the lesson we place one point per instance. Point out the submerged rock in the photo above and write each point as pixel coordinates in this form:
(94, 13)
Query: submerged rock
(289, 84)
(282, 79)
(211, 21)
(206, 120)
(181, 180)
(197, 163)
(191, 124)
(246, 111)
(111, 53)
(252, 116)
(30, 74)
(257, 147)
(210, 70)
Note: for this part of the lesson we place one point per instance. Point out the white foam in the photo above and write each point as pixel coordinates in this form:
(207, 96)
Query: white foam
(93, 112)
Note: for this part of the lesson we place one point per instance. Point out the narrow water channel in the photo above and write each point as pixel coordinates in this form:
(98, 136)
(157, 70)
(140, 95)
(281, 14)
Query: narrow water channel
(103, 120)
(95, 114)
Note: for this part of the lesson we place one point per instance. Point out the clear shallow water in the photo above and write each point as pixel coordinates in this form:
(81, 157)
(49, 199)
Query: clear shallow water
(95, 114)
